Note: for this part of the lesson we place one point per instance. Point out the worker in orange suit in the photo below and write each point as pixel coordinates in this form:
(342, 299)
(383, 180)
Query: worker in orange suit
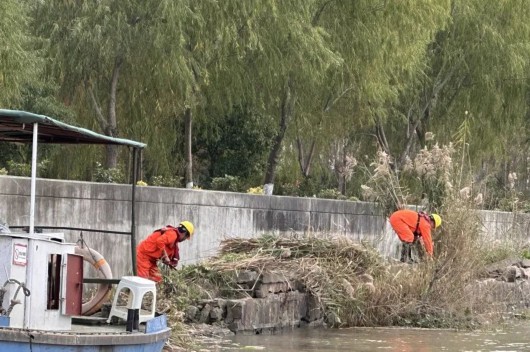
(162, 245)
(410, 226)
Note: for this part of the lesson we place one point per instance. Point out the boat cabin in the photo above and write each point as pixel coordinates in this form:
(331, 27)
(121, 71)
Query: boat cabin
(50, 267)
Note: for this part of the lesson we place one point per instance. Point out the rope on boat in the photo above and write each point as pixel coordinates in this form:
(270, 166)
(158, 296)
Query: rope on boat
(14, 300)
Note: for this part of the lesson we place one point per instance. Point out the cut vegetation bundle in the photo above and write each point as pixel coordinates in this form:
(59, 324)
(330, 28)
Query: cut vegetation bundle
(353, 283)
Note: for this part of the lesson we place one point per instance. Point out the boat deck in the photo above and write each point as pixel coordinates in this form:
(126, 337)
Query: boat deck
(88, 335)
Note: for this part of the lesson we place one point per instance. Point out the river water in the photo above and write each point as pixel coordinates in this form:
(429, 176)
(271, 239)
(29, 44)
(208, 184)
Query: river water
(514, 336)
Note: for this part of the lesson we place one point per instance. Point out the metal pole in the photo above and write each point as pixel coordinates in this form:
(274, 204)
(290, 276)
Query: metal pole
(33, 177)
(133, 207)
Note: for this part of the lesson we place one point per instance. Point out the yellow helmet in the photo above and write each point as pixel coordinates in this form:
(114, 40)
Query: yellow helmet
(437, 220)
(188, 226)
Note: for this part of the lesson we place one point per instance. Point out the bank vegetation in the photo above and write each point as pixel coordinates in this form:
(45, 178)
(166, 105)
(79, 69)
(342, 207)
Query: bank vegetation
(353, 283)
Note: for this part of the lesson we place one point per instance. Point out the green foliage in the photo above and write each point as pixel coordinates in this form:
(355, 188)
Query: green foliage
(288, 189)
(112, 175)
(525, 253)
(407, 68)
(3, 171)
(43, 168)
(12, 152)
(489, 74)
(176, 285)
(330, 194)
(236, 144)
(308, 187)
(19, 61)
(24, 169)
(500, 196)
(18, 169)
(499, 252)
(166, 181)
(226, 183)
(511, 202)
(41, 98)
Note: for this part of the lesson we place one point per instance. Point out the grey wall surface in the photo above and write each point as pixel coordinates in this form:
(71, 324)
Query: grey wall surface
(216, 216)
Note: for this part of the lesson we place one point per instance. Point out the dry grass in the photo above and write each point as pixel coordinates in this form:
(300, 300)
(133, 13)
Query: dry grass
(335, 269)
(338, 272)
(329, 268)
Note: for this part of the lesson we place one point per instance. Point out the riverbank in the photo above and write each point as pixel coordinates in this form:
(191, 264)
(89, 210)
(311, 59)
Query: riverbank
(271, 284)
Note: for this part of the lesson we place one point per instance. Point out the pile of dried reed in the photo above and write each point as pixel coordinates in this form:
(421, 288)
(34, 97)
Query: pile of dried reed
(332, 269)
(355, 286)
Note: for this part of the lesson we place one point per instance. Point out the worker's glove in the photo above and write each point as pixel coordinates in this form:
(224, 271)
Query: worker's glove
(172, 264)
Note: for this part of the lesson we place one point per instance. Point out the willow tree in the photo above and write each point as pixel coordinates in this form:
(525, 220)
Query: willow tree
(231, 52)
(477, 77)
(19, 62)
(490, 81)
(383, 50)
(194, 63)
(284, 60)
(90, 45)
(207, 32)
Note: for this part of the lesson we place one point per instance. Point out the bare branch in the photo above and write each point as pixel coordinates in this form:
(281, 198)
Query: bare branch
(329, 105)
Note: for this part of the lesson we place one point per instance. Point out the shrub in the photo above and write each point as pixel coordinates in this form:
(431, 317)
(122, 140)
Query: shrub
(112, 175)
(166, 181)
(18, 169)
(226, 183)
(330, 194)
(308, 187)
(24, 169)
(288, 189)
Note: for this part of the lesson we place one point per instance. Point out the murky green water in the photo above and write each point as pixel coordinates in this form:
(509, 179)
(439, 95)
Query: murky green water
(513, 337)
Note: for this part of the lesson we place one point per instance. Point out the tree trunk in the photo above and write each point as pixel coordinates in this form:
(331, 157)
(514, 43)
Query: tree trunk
(427, 102)
(286, 112)
(381, 136)
(112, 125)
(305, 161)
(342, 176)
(189, 155)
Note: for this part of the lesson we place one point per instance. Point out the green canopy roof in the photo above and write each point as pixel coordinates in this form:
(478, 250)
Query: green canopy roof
(17, 126)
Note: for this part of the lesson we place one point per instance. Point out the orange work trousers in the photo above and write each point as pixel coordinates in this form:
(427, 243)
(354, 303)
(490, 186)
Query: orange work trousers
(146, 267)
(401, 228)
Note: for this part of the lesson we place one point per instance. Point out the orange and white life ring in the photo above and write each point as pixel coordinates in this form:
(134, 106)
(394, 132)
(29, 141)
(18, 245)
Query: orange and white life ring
(104, 272)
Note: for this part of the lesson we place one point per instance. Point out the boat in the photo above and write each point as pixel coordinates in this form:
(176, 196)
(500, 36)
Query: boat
(42, 275)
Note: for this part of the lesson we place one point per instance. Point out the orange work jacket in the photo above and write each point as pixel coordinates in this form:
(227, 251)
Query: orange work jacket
(162, 239)
(405, 221)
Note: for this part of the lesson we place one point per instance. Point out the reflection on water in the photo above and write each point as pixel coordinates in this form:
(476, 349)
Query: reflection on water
(514, 337)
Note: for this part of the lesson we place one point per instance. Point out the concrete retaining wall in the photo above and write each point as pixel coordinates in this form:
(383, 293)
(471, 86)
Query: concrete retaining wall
(216, 216)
